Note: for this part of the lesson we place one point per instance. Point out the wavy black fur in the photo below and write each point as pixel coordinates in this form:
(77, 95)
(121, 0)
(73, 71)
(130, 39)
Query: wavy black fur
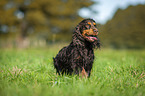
(79, 54)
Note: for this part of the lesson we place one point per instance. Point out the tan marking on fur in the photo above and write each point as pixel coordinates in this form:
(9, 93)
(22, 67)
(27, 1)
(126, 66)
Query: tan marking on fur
(89, 23)
(94, 23)
(88, 32)
(84, 73)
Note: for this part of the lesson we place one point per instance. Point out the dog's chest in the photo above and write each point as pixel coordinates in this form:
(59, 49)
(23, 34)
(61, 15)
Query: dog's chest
(87, 52)
(85, 56)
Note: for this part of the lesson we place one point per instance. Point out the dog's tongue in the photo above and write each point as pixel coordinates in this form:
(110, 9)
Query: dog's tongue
(92, 38)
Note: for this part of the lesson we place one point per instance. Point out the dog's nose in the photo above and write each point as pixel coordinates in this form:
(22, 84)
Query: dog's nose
(95, 30)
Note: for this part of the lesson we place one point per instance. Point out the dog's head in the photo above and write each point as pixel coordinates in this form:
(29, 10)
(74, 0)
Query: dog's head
(87, 30)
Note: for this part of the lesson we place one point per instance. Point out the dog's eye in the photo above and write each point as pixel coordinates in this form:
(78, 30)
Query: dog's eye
(88, 26)
(95, 24)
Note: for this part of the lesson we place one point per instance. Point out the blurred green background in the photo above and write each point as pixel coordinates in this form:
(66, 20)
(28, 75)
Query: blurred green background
(39, 23)
(45, 26)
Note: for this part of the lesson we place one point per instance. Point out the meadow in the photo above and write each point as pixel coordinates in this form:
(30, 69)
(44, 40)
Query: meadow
(30, 72)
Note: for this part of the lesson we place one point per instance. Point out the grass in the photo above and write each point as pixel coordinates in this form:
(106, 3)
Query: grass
(31, 73)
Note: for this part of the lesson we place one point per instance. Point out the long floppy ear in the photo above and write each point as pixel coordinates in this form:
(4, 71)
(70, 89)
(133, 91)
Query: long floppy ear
(77, 37)
(97, 43)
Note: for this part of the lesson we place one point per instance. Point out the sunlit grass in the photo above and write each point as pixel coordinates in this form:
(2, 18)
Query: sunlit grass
(31, 73)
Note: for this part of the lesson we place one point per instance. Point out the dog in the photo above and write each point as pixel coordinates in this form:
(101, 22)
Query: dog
(78, 56)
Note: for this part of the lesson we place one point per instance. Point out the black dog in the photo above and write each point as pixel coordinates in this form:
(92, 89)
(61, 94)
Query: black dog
(78, 57)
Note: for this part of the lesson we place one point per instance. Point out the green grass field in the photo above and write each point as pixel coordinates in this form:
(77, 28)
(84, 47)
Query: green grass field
(31, 73)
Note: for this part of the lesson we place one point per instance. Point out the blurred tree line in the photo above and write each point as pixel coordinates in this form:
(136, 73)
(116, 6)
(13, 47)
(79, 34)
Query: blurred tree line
(26, 23)
(29, 21)
(126, 29)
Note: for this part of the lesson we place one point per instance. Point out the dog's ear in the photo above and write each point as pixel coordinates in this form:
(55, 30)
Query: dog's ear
(77, 28)
(77, 36)
(97, 43)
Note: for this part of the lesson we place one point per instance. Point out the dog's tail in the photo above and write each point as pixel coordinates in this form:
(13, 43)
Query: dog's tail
(56, 66)
(53, 59)
(54, 62)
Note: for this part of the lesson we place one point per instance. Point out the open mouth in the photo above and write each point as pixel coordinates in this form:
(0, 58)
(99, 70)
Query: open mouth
(92, 38)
